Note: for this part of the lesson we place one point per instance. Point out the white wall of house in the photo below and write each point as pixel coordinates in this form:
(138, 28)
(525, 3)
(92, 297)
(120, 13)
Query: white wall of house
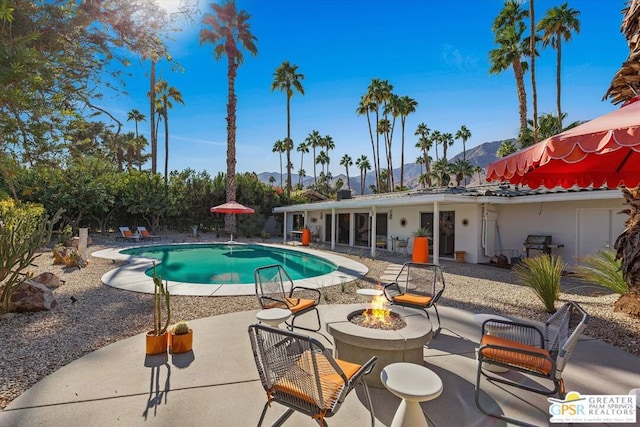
(581, 226)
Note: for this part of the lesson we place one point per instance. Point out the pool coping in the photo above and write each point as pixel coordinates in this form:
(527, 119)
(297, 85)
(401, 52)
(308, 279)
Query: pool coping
(131, 277)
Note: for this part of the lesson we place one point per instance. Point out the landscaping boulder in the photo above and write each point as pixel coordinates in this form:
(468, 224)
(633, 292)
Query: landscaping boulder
(50, 280)
(32, 296)
(74, 242)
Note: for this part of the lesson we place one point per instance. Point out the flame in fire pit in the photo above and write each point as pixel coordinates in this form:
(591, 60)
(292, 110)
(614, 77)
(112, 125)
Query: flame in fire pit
(379, 313)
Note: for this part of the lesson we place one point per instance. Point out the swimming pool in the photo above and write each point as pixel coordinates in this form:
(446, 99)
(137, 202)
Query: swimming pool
(130, 273)
(215, 264)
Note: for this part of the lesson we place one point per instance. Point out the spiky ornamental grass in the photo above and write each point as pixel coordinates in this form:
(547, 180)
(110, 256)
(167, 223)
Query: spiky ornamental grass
(602, 269)
(542, 274)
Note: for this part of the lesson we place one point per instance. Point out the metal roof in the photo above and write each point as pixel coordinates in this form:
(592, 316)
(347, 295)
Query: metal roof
(486, 193)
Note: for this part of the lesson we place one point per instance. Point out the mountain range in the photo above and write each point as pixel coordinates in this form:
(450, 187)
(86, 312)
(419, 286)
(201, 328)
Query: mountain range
(480, 155)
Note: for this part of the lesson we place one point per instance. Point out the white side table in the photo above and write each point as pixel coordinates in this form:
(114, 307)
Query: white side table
(480, 319)
(273, 316)
(369, 294)
(414, 384)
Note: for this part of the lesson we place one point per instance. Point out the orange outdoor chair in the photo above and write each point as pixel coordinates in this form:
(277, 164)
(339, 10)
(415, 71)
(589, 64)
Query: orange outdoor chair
(417, 285)
(274, 289)
(301, 374)
(526, 349)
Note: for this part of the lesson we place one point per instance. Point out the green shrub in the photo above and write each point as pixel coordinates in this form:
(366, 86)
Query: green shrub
(542, 274)
(602, 269)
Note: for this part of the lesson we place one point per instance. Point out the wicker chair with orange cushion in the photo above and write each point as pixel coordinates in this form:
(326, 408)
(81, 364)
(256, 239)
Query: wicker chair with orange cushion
(300, 373)
(275, 289)
(417, 285)
(524, 348)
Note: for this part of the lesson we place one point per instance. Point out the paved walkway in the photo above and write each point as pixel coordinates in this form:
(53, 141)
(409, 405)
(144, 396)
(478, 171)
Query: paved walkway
(217, 384)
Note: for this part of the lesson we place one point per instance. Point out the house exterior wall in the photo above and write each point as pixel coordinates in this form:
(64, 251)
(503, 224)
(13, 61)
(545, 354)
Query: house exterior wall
(558, 219)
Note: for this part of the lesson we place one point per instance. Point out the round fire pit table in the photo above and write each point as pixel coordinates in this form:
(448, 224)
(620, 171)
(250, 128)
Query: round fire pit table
(356, 344)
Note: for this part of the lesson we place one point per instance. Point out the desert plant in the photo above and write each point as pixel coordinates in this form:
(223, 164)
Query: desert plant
(542, 274)
(603, 269)
(161, 298)
(421, 232)
(65, 234)
(24, 228)
(181, 328)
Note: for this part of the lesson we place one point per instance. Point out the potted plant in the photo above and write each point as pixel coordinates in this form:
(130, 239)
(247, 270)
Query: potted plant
(157, 338)
(181, 338)
(420, 245)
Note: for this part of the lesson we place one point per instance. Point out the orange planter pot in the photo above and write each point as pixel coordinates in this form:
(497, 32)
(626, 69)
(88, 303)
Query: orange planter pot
(420, 249)
(181, 343)
(156, 344)
(306, 237)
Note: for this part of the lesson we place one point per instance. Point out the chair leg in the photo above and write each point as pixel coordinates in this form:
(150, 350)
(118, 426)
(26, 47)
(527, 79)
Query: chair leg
(437, 330)
(291, 325)
(369, 403)
(485, 411)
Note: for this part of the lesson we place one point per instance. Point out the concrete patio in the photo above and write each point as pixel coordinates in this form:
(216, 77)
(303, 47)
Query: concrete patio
(217, 384)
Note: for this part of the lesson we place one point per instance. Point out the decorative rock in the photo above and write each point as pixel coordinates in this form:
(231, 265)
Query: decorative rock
(32, 296)
(50, 280)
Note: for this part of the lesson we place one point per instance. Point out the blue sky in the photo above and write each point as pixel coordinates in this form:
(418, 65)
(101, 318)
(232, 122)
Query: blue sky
(434, 51)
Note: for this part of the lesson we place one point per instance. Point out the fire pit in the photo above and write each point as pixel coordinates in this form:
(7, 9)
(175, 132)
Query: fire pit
(357, 343)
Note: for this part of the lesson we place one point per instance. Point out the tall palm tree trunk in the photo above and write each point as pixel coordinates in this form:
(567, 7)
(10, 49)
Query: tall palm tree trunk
(288, 146)
(522, 95)
(534, 90)
(152, 119)
(558, 83)
(229, 219)
(373, 147)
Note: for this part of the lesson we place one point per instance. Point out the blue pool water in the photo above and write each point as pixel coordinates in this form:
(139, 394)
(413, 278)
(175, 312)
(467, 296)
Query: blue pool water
(212, 264)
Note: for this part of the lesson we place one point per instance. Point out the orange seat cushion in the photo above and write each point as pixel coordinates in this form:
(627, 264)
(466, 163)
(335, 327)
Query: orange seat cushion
(299, 380)
(144, 233)
(299, 304)
(127, 233)
(412, 299)
(541, 364)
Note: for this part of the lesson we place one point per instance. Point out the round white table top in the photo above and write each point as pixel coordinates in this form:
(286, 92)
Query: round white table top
(369, 293)
(411, 381)
(273, 315)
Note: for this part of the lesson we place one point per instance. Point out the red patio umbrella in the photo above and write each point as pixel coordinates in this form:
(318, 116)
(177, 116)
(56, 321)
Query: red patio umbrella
(603, 151)
(232, 207)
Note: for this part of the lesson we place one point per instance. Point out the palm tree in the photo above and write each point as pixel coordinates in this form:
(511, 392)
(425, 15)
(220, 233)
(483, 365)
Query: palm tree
(286, 78)
(557, 25)
(406, 106)
(279, 147)
(314, 140)
(363, 164)
(302, 148)
(424, 144)
(463, 134)
(532, 48)
(328, 144)
(440, 171)
(137, 117)
(166, 94)
(384, 127)
(436, 139)
(508, 28)
(364, 107)
(301, 173)
(346, 162)
(378, 94)
(323, 159)
(447, 141)
(272, 180)
(461, 169)
(420, 162)
(229, 29)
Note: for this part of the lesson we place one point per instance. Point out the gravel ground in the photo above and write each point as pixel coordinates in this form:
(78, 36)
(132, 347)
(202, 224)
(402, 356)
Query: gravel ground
(37, 344)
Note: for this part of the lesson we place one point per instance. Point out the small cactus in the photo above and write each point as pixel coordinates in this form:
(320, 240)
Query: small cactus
(181, 328)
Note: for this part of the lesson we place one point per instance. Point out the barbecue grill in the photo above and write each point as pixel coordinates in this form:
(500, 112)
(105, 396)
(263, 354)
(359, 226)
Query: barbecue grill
(539, 243)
